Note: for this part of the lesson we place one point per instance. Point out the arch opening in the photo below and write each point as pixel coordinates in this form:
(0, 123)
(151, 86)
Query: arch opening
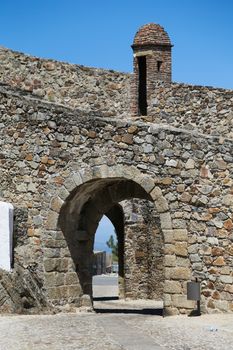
(105, 264)
(80, 216)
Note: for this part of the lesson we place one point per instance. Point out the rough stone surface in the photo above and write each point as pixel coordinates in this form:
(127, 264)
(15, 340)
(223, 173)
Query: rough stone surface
(72, 149)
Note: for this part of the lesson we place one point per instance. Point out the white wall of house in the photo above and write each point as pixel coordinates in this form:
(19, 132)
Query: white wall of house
(6, 235)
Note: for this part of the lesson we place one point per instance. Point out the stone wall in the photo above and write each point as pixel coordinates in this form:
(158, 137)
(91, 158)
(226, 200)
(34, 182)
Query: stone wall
(204, 109)
(47, 151)
(78, 87)
(144, 263)
(107, 93)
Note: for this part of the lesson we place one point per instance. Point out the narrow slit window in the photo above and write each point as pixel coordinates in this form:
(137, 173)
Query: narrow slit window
(159, 64)
(142, 88)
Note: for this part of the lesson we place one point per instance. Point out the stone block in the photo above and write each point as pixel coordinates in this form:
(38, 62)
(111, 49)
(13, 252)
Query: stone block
(165, 221)
(179, 224)
(53, 279)
(219, 261)
(180, 188)
(181, 249)
(69, 184)
(229, 288)
(217, 251)
(225, 270)
(194, 258)
(169, 249)
(212, 240)
(185, 197)
(56, 264)
(132, 129)
(63, 290)
(77, 178)
(192, 239)
(190, 164)
(71, 278)
(52, 219)
(169, 260)
(161, 205)
(51, 252)
(196, 226)
(147, 183)
(180, 234)
(205, 250)
(222, 305)
(166, 181)
(50, 264)
(193, 249)
(63, 193)
(198, 267)
(228, 224)
(168, 236)
(167, 273)
(156, 193)
(127, 138)
(230, 249)
(167, 299)
(63, 265)
(86, 300)
(211, 304)
(226, 279)
(56, 204)
(171, 163)
(55, 243)
(180, 273)
(171, 311)
(139, 254)
(180, 301)
(53, 293)
(172, 287)
(65, 252)
(58, 235)
(74, 291)
(228, 200)
(216, 295)
(182, 261)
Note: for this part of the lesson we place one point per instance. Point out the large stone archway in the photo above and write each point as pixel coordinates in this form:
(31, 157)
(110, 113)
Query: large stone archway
(89, 198)
(81, 213)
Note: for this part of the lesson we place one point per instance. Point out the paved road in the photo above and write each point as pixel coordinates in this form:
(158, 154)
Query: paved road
(105, 286)
(116, 325)
(105, 280)
(91, 331)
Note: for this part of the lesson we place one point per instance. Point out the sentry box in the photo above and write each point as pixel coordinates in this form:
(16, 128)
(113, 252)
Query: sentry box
(194, 293)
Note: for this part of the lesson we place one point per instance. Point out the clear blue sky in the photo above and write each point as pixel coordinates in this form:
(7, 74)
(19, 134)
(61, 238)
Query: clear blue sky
(103, 233)
(99, 33)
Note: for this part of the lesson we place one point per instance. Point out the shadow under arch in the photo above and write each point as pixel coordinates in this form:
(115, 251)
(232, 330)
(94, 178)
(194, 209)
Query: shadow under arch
(80, 215)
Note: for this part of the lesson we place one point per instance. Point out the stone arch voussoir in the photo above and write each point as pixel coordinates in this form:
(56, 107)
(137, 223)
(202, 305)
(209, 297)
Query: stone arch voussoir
(77, 178)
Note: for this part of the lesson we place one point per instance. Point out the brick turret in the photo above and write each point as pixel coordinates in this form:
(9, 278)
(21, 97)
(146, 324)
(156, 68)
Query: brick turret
(152, 62)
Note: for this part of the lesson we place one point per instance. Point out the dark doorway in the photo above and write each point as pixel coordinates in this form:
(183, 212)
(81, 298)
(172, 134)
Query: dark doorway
(142, 93)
